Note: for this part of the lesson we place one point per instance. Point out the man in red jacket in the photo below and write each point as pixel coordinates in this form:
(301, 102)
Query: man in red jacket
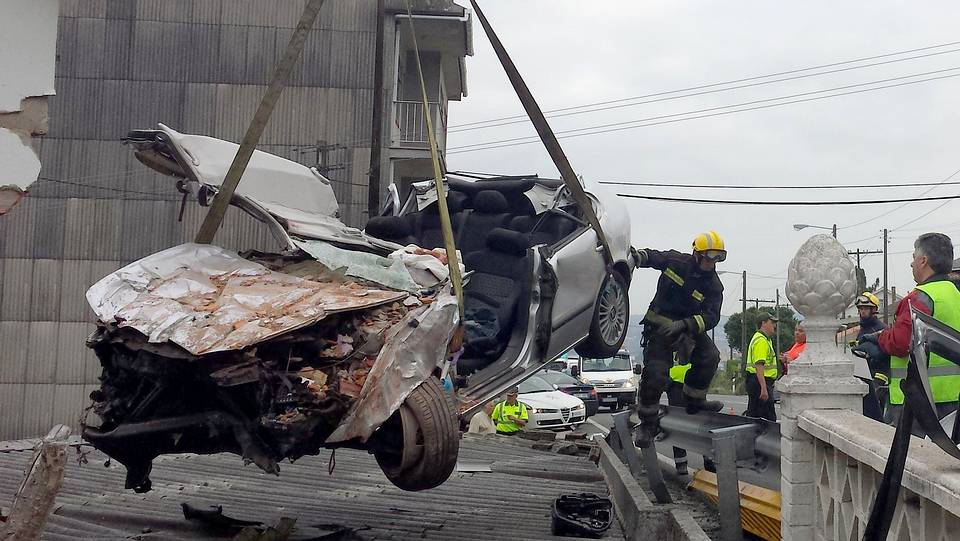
(934, 295)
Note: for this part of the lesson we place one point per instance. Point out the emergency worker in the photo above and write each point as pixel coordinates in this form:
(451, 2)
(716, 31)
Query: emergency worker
(685, 306)
(678, 374)
(762, 370)
(875, 401)
(937, 296)
(510, 415)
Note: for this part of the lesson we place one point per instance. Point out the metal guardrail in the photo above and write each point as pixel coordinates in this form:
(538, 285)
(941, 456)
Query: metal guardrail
(735, 444)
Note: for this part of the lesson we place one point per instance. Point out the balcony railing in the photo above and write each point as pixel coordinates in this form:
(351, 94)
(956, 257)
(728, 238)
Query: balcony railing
(410, 125)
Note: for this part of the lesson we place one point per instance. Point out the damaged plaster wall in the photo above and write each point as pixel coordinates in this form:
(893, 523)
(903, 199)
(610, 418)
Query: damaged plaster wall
(28, 41)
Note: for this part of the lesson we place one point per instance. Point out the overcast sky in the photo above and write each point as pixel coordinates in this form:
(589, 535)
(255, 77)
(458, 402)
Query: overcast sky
(575, 52)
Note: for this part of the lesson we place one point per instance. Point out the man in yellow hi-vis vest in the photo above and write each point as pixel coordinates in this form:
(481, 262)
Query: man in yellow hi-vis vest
(762, 370)
(936, 296)
(510, 415)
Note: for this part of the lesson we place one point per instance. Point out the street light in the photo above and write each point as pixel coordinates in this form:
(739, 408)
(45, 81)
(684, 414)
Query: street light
(798, 227)
(743, 327)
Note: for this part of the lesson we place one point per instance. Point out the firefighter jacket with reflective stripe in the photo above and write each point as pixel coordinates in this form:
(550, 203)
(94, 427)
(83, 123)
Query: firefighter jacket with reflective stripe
(761, 349)
(678, 372)
(944, 375)
(502, 414)
(684, 292)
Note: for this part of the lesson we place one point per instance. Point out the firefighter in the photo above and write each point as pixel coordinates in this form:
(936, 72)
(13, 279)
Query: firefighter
(685, 306)
(875, 401)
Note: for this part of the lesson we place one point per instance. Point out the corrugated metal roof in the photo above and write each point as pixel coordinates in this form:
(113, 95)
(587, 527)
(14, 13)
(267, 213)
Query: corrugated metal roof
(481, 506)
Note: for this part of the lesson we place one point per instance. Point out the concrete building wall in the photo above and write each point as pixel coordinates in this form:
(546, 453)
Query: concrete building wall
(199, 66)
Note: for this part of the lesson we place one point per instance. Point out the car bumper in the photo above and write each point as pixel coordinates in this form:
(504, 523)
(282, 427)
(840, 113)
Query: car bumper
(617, 398)
(552, 421)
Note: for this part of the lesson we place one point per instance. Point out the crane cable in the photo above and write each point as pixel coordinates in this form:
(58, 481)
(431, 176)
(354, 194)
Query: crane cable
(446, 227)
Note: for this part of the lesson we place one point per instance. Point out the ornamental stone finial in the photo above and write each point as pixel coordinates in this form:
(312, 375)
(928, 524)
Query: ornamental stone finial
(821, 279)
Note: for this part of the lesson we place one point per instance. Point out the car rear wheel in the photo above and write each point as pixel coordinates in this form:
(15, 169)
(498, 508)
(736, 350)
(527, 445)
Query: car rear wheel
(608, 328)
(425, 439)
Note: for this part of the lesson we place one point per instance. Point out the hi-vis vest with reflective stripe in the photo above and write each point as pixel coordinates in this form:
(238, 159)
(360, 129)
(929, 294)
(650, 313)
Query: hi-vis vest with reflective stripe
(944, 375)
(678, 372)
(761, 342)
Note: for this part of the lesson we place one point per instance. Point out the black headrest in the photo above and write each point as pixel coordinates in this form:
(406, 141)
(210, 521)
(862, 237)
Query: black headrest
(522, 224)
(508, 242)
(456, 201)
(490, 202)
(388, 227)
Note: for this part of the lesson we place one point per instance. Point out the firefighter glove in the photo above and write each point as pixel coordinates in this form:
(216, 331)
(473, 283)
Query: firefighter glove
(869, 338)
(673, 329)
(639, 257)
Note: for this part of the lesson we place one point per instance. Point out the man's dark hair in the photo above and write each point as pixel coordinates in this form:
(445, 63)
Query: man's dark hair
(938, 250)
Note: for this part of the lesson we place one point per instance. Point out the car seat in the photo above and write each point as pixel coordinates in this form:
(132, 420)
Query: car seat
(492, 296)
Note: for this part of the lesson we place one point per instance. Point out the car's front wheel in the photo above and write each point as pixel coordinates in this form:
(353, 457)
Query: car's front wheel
(422, 440)
(608, 328)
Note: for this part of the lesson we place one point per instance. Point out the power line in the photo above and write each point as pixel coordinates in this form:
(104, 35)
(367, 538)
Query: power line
(734, 81)
(878, 216)
(464, 128)
(781, 203)
(490, 145)
(778, 187)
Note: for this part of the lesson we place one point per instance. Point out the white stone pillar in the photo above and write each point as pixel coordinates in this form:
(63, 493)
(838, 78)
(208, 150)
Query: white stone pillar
(821, 282)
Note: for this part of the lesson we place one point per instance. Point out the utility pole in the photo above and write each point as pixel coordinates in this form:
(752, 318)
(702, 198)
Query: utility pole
(376, 134)
(834, 230)
(743, 327)
(776, 314)
(886, 303)
(858, 252)
(758, 302)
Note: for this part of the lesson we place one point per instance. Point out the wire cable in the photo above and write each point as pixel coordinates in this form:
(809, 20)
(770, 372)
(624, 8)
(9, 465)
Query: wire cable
(711, 85)
(569, 134)
(778, 187)
(781, 203)
(705, 92)
(878, 216)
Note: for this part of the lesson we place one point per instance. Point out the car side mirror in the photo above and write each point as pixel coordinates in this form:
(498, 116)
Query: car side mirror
(575, 371)
(638, 369)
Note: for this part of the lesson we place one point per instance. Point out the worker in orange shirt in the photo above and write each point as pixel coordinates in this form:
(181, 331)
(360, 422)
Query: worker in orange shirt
(799, 343)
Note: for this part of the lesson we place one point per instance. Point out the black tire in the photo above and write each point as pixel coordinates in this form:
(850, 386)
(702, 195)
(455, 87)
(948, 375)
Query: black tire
(611, 316)
(437, 434)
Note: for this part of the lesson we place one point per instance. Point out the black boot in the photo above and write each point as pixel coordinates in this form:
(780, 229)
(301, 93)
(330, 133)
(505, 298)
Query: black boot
(649, 425)
(696, 405)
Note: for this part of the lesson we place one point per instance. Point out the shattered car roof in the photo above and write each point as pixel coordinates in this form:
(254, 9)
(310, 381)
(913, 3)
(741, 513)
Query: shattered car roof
(207, 299)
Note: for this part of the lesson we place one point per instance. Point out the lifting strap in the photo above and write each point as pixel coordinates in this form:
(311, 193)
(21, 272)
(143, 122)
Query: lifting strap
(446, 227)
(546, 135)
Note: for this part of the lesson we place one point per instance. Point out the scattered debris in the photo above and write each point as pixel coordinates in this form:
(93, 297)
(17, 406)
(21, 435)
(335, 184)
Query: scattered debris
(583, 514)
(214, 519)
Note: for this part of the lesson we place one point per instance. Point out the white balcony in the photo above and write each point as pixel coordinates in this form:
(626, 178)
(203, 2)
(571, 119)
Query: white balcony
(410, 125)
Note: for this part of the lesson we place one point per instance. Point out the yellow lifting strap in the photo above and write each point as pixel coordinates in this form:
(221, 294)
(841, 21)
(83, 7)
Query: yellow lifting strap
(446, 227)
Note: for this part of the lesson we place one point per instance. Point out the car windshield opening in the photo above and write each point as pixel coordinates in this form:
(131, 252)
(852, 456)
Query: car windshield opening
(535, 385)
(610, 364)
(559, 378)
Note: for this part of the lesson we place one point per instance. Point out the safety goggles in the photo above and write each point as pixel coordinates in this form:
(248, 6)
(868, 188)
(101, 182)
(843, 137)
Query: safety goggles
(714, 255)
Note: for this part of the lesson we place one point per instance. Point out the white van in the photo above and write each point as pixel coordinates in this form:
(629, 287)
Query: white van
(613, 377)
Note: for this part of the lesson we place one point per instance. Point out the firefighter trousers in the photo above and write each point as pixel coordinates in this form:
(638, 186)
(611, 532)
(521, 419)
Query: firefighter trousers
(658, 358)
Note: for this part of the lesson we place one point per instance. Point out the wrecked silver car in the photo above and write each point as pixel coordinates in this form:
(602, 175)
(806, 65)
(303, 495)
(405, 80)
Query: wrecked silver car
(342, 337)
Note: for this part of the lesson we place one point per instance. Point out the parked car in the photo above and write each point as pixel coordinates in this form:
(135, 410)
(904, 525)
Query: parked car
(275, 354)
(550, 408)
(566, 383)
(614, 378)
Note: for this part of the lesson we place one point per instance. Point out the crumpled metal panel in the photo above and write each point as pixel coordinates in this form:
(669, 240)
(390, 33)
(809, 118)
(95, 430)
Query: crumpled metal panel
(385, 271)
(408, 357)
(207, 299)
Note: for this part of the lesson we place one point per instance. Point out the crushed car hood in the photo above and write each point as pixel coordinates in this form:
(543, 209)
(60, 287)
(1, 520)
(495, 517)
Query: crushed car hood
(298, 199)
(207, 299)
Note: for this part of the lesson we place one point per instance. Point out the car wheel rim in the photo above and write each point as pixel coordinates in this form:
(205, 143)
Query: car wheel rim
(613, 311)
